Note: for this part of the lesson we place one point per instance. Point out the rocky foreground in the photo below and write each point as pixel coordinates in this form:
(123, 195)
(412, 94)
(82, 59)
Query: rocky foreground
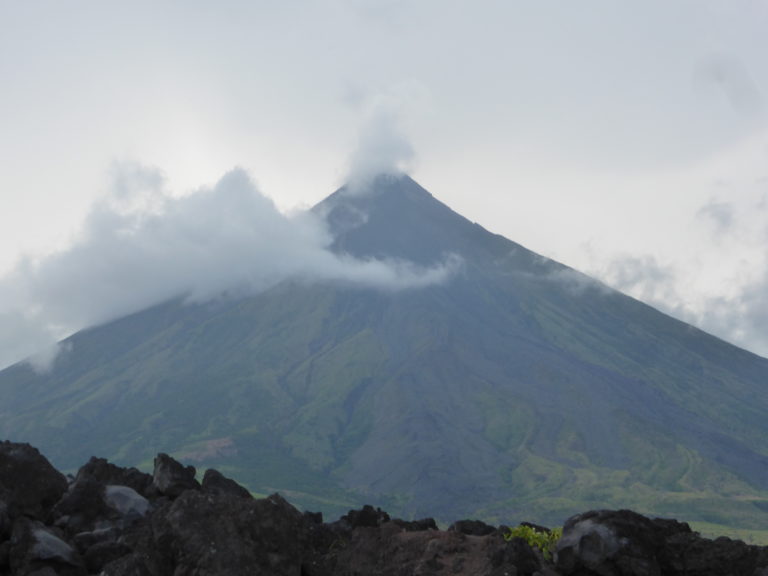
(115, 521)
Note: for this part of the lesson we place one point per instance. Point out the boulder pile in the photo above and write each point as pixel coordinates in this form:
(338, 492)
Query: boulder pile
(115, 521)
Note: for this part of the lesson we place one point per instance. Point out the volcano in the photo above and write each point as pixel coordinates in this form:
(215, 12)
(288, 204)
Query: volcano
(515, 389)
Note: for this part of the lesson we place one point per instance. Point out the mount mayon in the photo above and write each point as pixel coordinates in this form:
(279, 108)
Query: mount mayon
(516, 388)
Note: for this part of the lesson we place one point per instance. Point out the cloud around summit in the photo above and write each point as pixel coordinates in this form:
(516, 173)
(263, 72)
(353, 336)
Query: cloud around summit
(382, 147)
(141, 246)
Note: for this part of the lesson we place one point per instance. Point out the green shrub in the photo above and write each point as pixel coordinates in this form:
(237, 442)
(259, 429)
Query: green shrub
(545, 541)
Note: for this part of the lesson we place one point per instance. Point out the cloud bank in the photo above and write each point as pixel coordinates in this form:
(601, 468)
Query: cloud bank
(724, 288)
(142, 246)
(739, 317)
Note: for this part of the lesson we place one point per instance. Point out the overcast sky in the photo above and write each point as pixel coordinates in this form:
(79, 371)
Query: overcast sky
(626, 139)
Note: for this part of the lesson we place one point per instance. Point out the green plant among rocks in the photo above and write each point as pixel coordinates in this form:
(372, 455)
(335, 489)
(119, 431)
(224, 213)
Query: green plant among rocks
(543, 540)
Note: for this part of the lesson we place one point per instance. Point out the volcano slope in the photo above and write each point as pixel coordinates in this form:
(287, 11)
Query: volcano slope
(516, 388)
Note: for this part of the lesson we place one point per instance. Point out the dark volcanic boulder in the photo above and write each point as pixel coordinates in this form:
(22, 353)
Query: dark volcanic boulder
(619, 543)
(416, 525)
(391, 550)
(81, 506)
(5, 522)
(29, 485)
(691, 555)
(624, 543)
(472, 527)
(218, 534)
(216, 483)
(366, 516)
(107, 473)
(5, 557)
(518, 553)
(90, 506)
(171, 479)
(611, 543)
(126, 502)
(37, 547)
(103, 553)
(84, 540)
(129, 565)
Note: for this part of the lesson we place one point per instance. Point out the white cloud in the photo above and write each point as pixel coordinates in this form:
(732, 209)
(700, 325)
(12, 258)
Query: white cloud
(720, 213)
(383, 147)
(142, 246)
(721, 288)
(646, 279)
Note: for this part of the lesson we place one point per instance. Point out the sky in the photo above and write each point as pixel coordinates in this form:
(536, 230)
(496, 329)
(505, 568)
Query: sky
(628, 140)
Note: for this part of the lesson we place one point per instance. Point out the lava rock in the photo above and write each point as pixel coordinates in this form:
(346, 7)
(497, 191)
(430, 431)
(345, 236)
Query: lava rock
(313, 518)
(129, 565)
(624, 543)
(609, 543)
(471, 528)
(216, 483)
(82, 506)
(107, 473)
(124, 500)
(219, 534)
(368, 516)
(689, 554)
(5, 522)
(29, 485)
(517, 553)
(85, 540)
(172, 479)
(101, 554)
(175, 527)
(5, 556)
(617, 543)
(35, 546)
(416, 525)
(389, 550)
